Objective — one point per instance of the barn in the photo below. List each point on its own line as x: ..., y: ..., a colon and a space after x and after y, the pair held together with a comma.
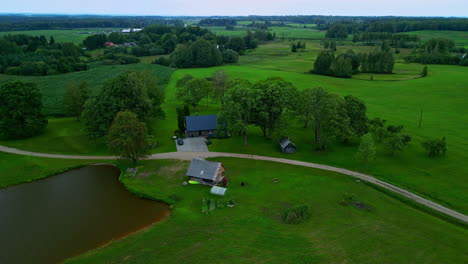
x: 200, y: 126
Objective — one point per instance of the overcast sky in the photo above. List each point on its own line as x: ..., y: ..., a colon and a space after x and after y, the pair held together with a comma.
x: 241, y: 7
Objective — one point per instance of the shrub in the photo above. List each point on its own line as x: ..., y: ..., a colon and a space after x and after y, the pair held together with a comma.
x: 435, y: 147
x: 296, y: 214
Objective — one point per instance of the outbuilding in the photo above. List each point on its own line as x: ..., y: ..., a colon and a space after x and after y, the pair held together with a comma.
x: 216, y: 190
x: 200, y: 126
x: 206, y: 172
x: 287, y: 146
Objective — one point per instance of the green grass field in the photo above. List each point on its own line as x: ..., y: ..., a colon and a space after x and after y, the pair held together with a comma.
x: 442, y: 96
x: 291, y: 32
x: 63, y: 35
x: 252, y: 232
x: 460, y: 37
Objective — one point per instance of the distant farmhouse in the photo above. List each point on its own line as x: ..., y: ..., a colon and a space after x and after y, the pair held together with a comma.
x: 130, y: 30
x: 200, y: 126
x: 206, y: 172
x: 287, y: 146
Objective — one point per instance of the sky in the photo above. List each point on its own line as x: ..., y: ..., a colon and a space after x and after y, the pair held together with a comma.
x: 241, y: 7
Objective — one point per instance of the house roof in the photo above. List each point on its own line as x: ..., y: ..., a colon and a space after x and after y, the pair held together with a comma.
x: 203, y: 122
x: 203, y: 169
x: 285, y: 142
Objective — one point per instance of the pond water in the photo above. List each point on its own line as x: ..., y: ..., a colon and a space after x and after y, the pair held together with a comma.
x: 49, y: 220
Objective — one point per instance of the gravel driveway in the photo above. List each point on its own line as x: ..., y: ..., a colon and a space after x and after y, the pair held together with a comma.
x: 196, y: 144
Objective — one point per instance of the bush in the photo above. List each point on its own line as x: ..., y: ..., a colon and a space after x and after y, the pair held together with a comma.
x: 296, y: 214
x: 230, y: 56
x: 435, y: 147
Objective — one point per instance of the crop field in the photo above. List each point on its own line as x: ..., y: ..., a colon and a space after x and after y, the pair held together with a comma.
x: 53, y: 86
x: 63, y: 35
x: 253, y: 231
x: 460, y: 37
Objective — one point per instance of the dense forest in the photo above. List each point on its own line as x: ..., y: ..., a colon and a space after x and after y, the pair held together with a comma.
x: 30, y: 55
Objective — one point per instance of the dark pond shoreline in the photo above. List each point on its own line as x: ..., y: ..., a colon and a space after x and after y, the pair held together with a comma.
x: 68, y: 214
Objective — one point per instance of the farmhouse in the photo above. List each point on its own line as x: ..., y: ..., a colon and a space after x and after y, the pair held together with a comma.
x: 206, y: 172
x: 198, y: 126
x: 287, y: 146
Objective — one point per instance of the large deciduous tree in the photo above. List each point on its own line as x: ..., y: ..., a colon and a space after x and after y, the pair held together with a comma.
x: 366, y: 151
x: 21, y: 110
x: 126, y: 92
x: 239, y: 104
x: 323, y: 105
x: 193, y: 91
x: 323, y: 62
x: 128, y: 137
x: 75, y: 98
x: 274, y: 96
x: 219, y: 79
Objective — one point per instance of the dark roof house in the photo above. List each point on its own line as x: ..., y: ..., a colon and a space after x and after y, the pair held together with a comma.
x: 206, y: 172
x: 200, y: 125
x: 287, y: 146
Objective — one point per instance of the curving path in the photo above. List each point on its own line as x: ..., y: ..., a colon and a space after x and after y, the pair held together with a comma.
x: 191, y: 155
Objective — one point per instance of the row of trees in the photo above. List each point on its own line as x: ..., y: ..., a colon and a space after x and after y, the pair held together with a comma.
x: 394, y: 40
x: 348, y: 63
x: 35, y: 55
x: 437, y: 51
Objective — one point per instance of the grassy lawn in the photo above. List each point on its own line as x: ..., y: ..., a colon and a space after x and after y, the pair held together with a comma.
x: 63, y: 35
x: 252, y: 232
x: 15, y: 169
x: 442, y: 95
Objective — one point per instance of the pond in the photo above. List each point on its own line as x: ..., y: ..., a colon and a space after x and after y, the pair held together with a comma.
x: 50, y: 220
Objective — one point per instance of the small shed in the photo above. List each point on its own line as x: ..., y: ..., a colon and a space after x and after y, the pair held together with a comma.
x: 201, y: 126
x: 206, y: 172
x: 287, y: 146
x: 218, y: 190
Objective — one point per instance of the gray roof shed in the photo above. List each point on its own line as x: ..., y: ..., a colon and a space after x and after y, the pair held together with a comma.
x: 285, y: 142
x: 199, y: 123
x: 204, y: 169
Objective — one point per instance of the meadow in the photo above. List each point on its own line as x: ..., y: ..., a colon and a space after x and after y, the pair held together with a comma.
x: 253, y: 230
x: 440, y: 95
x: 63, y: 35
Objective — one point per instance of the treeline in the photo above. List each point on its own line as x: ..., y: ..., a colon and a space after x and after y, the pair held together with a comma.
x: 395, y: 40
x: 349, y: 63
x: 219, y: 22
x: 42, y: 22
x: 395, y: 25
x: 438, y: 51
x: 35, y: 55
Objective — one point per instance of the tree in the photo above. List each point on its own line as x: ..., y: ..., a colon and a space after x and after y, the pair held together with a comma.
x: 435, y: 147
x: 341, y: 67
x: 21, y: 110
x: 303, y: 107
x: 366, y: 151
x: 274, y: 96
x: 75, y: 98
x: 239, y: 103
x: 219, y: 80
x: 180, y: 118
x: 323, y: 105
x: 323, y: 62
x: 357, y: 111
x: 230, y: 56
x: 126, y: 92
x: 52, y: 41
x: 155, y: 92
x: 397, y: 142
x: 424, y: 72
x: 293, y: 48
x: 128, y: 137
x: 237, y: 44
x: 193, y: 91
